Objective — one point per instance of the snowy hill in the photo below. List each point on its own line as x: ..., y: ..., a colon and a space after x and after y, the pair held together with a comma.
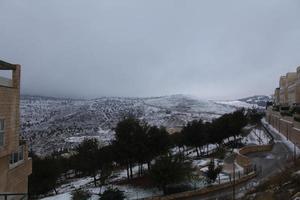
x: 258, y: 101
x: 53, y: 123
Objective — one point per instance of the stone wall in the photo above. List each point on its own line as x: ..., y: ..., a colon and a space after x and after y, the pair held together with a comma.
x: 286, y: 125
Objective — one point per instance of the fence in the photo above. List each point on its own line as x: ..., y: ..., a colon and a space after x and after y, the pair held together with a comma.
x: 14, y: 196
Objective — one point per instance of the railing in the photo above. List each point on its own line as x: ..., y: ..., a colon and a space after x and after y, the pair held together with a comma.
x: 14, y: 196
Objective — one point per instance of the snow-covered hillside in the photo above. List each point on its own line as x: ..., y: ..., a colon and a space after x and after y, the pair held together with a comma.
x: 257, y: 101
x: 53, y: 124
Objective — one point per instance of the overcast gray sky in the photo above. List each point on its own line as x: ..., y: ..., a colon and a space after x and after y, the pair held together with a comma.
x: 91, y: 48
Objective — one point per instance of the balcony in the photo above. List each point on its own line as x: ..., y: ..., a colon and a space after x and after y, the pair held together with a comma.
x: 9, y: 74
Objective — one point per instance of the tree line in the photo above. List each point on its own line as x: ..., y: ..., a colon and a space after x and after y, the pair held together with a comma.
x: 137, y: 143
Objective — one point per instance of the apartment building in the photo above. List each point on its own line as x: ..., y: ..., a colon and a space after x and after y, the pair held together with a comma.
x: 15, y: 166
x: 284, y: 115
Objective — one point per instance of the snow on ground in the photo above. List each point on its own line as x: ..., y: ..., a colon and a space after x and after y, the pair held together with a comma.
x: 256, y: 137
x: 122, y: 174
x: 106, y: 135
x: 130, y: 193
x: 137, y: 193
x: 79, y: 139
x: 75, y: 184
x: 64, y: 196
x: 201, y: 163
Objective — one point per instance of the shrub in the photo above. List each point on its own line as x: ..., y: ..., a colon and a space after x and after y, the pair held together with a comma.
x: 112, y: 194
x: 80, y: 194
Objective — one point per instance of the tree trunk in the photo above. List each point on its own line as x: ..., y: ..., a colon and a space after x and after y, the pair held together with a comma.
x: 127, y: 171
x: 95, y: 180
x: 207, y: 151
x: 100, y: 190
x: 142, y: 170
x: 235, y: 140
x: 130, y: 166
x: 164, y: 188
x: 197, y: 152
x: 55, y: 190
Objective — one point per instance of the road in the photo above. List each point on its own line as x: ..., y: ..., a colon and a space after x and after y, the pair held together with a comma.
x: 269, y: 163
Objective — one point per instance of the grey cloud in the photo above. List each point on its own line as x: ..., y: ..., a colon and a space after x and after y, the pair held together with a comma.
x: 212, y: 49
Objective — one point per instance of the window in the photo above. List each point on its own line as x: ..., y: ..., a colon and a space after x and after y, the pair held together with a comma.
x: 1, y: 132
x: 17, y: 156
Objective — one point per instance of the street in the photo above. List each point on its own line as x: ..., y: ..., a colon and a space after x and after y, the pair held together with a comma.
x: 268, y: 163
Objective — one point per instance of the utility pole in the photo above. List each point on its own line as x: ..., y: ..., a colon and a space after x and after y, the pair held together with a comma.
x: 233, y: 186
x: 295, y: 153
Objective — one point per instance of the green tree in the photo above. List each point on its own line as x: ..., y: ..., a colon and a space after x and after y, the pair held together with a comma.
x: 254, y: 117
x: 177, y: 139
x: 45, y: 174
x: 170, y: 169
x: 158, y: 142
x: 213, y: 172
x: 237, y: 122
x: 194, y: 134
x: 86, y: 158
x: 105, y: 165
x: 130, y: 138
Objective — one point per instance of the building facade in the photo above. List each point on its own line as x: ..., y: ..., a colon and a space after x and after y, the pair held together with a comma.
x: 15, y: 165
x: 284, y: 114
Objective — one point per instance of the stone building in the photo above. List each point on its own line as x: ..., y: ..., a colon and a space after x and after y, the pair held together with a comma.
x: 277, y: 96
x: 284, y: 115
x: 15, y: 166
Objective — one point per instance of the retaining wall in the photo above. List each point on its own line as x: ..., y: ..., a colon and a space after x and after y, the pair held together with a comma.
x: 286, y: 125
x: 204, y: 191
x: 243, y: 160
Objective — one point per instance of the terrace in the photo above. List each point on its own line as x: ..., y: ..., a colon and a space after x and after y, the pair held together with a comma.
x: 6, y: 74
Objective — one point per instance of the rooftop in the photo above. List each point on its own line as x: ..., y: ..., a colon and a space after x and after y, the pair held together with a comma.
x: 6, y: 66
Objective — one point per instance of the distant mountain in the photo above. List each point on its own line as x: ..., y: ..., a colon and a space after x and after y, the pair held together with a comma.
x: 60, y: 123
x: 57, y: 123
